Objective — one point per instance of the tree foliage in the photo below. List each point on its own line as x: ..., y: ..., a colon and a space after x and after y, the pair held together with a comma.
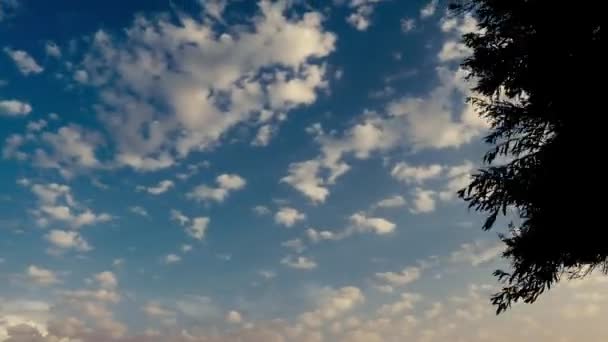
x: 536, y: 65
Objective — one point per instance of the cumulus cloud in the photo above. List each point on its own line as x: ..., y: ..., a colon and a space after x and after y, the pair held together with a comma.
x: 406, y: 302
x: 360, y: 223
x: 226, y: 183
x: 195, y: 227
x: 434, y: 120
x: 391, y: 280
x: 162, y: 187
x: 171, y: 259
x: 360, y: 18
x: 359, y: 141
x: 139, y: 210
x: 106, y: 280
x: 71, y: 149
x: 155, y: 310
x: 288, y: 216
x: 296, y: 244
x: 52, y: 49
x: 25, y: 63
x: 261, y: 210
x: 67, y: 240
x: 41, y: 276
x: 333, y: 303
x: 220, y: 80
x: 415, y: 174
x: 234, y: 317
x: 407, y: 24
x: 429, y: 9
x: 391, y: 202
x: 56, y: 204
x: 299, y: 262
x: 423, y: 201
x: 14, y: 107
x: 477, y: 253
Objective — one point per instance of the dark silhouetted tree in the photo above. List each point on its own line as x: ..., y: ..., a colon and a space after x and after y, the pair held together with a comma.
x: 537, y: 70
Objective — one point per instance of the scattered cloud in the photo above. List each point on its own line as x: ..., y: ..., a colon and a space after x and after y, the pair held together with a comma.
x: 234, y: 317
x: 25, y: 63
x: 261, y: 210
x: 299, y: 262
x: 288, y: 216
x: 226, y: 183
x: 14, y: 108
x: 172, y: 259
x: 63, y: 240
x: 195, y: 227
x: 162, y: 187
x: 477, y: 253
x: 139, y: 210
x: 52, y: 49
x: 407, y: 24
x: 391, y: 202
x: 41, y: 276
x: 429, y: 9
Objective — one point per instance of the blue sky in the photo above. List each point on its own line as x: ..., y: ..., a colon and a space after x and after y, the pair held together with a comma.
x: 244, y: 171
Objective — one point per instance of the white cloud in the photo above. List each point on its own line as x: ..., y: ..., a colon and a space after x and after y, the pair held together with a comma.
x: 11, y: 147
x: 423, y: 202
x: 477, y: 253
x: 195, y: 227
x: 52, y: 49
x: 303, y: 176
x: 296, y: 244
x: 186, y: 248
x: 287, y: 216
x: 14, y: 108
x: 198, y: 227
x: 155, y: 310
x: 453, y: 50
x: 263, y: 136
x: 333, y: 303
x: 234, y: 317
x: 172, y: 258
x: 360, y: 18
x: 66, y: 240
x: 178, y: 216
x: 71, y: 149
x: 299, y: 262
x: 361, y: 223
x: 226, y: 184
x: 41, y: 276
x: 406, y: 302
x: 106, y: 280
x: 415, y: 174
x: 435, y: 121
x: 139, y: 210
x: 25, y: 63
x: 429, y: 9
x: 406, y: 276
x: 360, y: 140
x: 162, y: 187
x: 407, y: 24
x: 222, y: 79
x: 391, y: 202
x: 458, y: 177
x: 81, y: 76
x: 261, y: 210
x: 36, y: 126
x: 266, y: 274
x: 214, y: 8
